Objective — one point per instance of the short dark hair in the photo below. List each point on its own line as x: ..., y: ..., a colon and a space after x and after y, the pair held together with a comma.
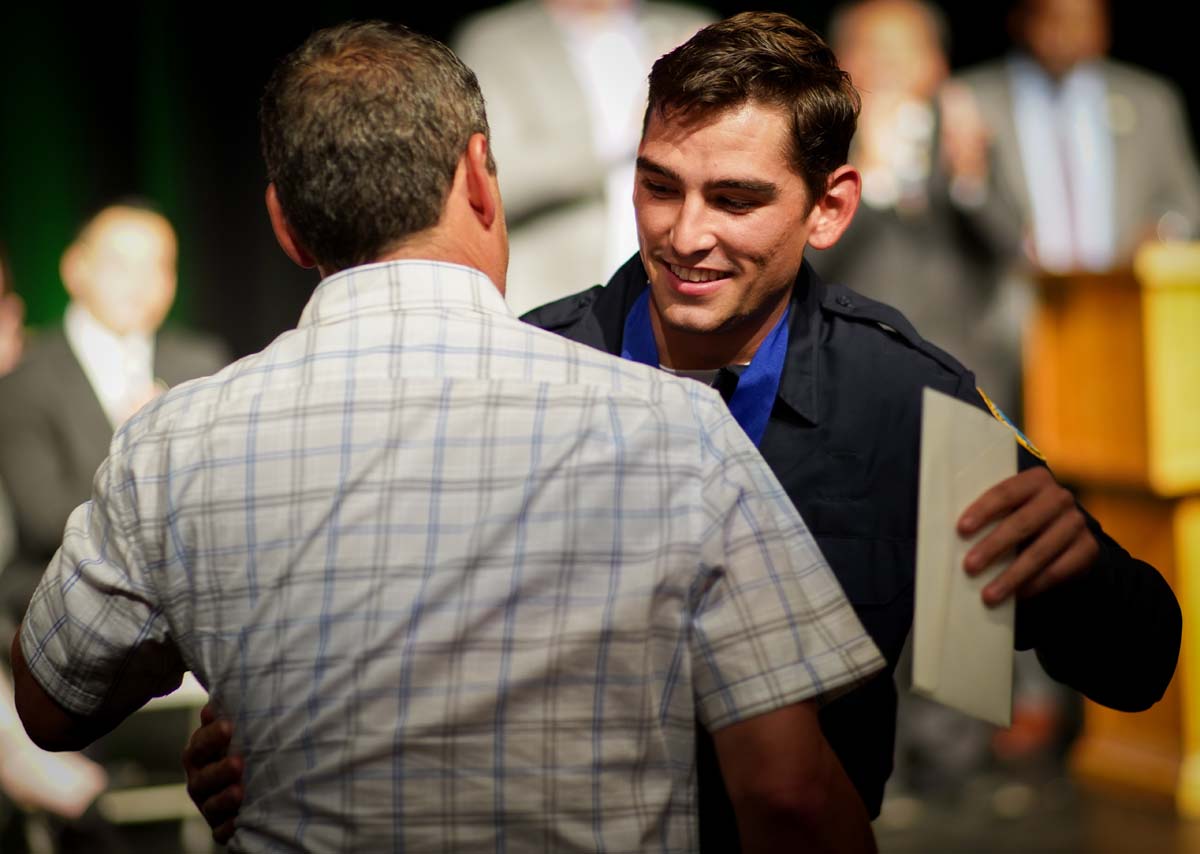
x: 362, y: 129
x: 771, y: 59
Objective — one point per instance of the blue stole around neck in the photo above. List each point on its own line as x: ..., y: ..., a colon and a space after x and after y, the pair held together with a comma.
x: 756, y: 389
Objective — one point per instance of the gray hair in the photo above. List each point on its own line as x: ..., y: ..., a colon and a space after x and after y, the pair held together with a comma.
x: 362, y: 129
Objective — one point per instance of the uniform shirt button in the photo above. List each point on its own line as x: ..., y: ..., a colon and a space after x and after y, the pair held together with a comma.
x: 843, y: 301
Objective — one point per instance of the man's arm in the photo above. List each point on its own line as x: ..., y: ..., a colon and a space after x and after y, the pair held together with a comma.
x: 51, y: 726
x: 788, y: 789
x: 94, y: 646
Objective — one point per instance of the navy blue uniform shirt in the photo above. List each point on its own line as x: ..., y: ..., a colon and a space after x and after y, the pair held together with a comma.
x: 843, y: 438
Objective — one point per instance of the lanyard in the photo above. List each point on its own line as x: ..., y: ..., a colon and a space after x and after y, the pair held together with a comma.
x: 756, y: 389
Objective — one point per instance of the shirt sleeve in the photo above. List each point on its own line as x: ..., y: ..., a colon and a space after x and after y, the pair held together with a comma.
x: 771, y: 626
x: 94, y: 634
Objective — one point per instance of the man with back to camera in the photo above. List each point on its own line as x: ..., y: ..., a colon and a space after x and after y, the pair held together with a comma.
x: 461, y: 583
x: 731, y: 187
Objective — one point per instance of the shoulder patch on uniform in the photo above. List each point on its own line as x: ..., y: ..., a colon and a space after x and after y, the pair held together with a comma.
x: 999, y: 415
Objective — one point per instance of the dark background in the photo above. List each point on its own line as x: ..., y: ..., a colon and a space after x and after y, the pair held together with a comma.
x: 161, y: 102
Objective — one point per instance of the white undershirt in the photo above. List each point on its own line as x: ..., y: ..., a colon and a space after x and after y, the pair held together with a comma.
x: 708, y: 376
x: 120, y: 369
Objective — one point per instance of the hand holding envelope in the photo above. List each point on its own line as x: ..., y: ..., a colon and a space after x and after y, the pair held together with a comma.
x: 974, y: 512
x: 962, y: 649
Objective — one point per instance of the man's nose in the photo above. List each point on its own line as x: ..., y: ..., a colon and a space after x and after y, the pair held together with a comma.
x: 692, y: 231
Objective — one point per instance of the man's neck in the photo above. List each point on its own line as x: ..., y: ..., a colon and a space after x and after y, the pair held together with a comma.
x: 684, y: 350
x: 428, y: 247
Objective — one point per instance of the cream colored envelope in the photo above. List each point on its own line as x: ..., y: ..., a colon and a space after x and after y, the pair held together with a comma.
x: 962, y: 650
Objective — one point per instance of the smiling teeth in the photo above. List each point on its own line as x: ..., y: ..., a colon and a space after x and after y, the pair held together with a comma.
x: 692, y: 274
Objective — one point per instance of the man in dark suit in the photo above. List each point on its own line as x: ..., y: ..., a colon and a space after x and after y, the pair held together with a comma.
x: 1086, y: 157
x: 79, y: 381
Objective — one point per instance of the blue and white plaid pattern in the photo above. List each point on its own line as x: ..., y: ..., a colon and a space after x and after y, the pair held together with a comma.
x: 463, y: 585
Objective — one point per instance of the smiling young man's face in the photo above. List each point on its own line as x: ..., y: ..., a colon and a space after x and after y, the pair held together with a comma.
x: 722, y: 224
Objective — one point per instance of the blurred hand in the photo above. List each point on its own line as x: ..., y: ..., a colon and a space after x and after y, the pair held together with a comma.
x: 1030, y: 508
x: 12, y: 319
x: 214, y: 778
x: 964, y: 135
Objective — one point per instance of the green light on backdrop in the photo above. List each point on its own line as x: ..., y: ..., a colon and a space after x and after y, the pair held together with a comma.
x: 162, y: 142
x: 41, y: 171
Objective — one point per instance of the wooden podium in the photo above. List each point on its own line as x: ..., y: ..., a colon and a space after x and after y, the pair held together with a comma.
x: 1112, y: 397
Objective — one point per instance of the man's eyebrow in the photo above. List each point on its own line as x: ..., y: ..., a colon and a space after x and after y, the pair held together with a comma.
x: 759, y: 188
x: 646, y: 165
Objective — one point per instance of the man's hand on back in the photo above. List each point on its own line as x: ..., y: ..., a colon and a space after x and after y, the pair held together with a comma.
x: 214, y: 778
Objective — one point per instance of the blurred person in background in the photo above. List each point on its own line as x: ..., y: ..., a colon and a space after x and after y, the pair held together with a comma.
x: 565, y: 83
x: 63, y: 784
x: 909, y: 245
x: 80, y: 380
x: 1086, y: 157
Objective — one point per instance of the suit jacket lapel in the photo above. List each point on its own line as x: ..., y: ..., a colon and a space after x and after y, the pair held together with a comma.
x: 84, y: 424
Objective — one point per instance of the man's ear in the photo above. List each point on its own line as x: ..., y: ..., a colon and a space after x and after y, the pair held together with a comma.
x: 482, y: 189
x: 831, y: 215
x: 287, y: 239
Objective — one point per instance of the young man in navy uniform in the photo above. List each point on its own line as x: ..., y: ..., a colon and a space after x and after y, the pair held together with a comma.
x: 742, y: 165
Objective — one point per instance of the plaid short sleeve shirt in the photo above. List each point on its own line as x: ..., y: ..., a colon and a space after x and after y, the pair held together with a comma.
x: 462, y: 584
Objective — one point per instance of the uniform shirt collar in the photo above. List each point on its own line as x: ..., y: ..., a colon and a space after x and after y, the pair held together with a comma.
x: 404, y: 285
x: 799, y: 383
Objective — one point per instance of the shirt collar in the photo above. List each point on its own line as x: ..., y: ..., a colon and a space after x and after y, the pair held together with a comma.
x: 402, y: 286
x: 799, y: 384
x: 1026, y: 71
x: 116, y: 366
x: 85, y: 331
